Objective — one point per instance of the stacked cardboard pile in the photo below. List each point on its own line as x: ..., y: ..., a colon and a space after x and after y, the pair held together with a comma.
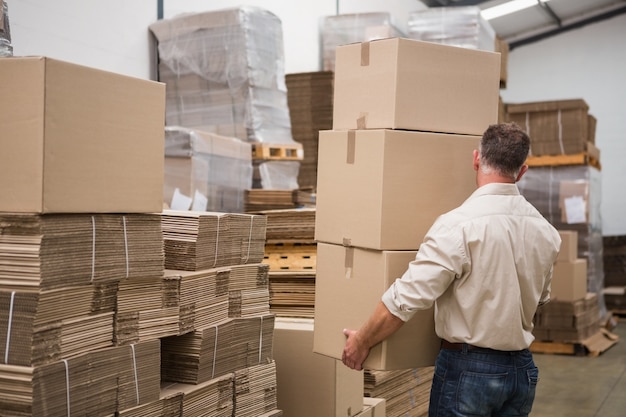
x: 376, y: 195
x: 310, y: 98
x: 614, y: 259
x: 224, y: 72
x: 222, y: 289
x: 561, y: 127
x: 204, y: 240
x: 568, y: 321
x: 258, y: 200
x: 63, y: 248
x: 205, y: 171
x: 406, y: 391
x: 569, y: 197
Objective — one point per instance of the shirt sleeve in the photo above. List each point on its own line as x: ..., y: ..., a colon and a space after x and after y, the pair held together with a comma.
x: 440, y: 259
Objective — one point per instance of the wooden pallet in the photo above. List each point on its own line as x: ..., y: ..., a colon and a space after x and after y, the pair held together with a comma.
x: 291, y: 256
x: 267, y: 151
x: 559, y: 348
x: 582, y: 158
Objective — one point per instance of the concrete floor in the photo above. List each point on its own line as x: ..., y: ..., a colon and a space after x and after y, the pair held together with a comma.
x: 583, y: 386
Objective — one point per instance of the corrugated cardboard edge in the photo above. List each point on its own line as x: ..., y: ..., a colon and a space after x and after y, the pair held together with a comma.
x: 600, y: 342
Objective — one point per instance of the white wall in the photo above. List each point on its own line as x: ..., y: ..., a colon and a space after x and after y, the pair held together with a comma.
x: 588, y: 63
x: 111, y: 35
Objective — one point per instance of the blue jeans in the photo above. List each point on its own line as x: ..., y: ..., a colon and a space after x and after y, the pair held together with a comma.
x: 477, y: 383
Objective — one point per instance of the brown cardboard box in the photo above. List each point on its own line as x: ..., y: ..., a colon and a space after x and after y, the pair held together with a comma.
x: 76, y: 139
x: 569, y: 246
x: 408, y: 84
x: 309, y: 384
x: 382, y: 189
x: 349, y: 284
x: 569, y: 280
x: 378, y: 406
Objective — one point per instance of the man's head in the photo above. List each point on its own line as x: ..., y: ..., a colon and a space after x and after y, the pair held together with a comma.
x: 503, y: 151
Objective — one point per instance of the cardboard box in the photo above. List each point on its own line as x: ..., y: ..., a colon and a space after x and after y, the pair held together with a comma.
x: 75, y: 139
x: 378, y: 189
x: 569, y: 280
x: 309, y: 384
x: 378, y: 406
x: 348, y: 285
x: 205, y: 171
x: 569, y: 246
x: 415, y: 85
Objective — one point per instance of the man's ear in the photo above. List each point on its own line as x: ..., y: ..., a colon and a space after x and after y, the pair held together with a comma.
x: 476, y: 160
x: 522, y: 171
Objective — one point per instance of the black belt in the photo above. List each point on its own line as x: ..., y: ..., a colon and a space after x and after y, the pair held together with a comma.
x: 471, y: 348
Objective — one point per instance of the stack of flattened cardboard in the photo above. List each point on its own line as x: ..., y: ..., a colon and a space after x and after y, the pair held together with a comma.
x: 202, y: 355
x: 567, y: 321
x: 166, y: 406
x: 97, y: 382
x: 201, y: 297
x: 142, y: 313
x: 248, y: 291
x: 224, y: 71
x: 255, y: 390
x: 290, y: 224
x: 47, y: 325
x: 310, y: 98
x: 267, y: 199
x: 213, y: 398
x: 555, y: 127
x: 406, y: 391
x: 204, y: 240
x: 292, y: 293
x: 59, y: 250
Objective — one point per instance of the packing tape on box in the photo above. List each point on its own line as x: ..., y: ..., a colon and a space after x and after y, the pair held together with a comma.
x: 361, y: 121
x: 349, y: 262
x: 351, y: 145
x: 365, y: 54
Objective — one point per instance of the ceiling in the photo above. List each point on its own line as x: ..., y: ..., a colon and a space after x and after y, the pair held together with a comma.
x: 543, y: 20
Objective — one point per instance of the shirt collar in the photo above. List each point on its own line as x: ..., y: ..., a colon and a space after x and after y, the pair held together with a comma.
x: 495, y: 188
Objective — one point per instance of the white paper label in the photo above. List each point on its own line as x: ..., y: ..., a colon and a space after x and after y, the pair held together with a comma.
x: 575, y: 209
x: 180, y: 201
x: 199, y: 202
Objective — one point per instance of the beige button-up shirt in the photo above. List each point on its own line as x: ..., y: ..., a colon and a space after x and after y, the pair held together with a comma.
x: 486, y: 265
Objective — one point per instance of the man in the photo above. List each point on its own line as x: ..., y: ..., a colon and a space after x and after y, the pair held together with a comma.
x: 486, y: 266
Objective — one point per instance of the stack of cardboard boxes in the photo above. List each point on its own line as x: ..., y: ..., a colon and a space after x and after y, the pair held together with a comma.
x: 81, y: 177
x: 407, y: 116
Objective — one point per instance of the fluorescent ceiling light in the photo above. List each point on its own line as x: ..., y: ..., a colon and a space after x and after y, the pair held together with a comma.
x: 508, y: 8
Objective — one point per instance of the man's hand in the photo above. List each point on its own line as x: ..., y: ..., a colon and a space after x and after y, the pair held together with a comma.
x: 377, y: 328
x: 354, y: 352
